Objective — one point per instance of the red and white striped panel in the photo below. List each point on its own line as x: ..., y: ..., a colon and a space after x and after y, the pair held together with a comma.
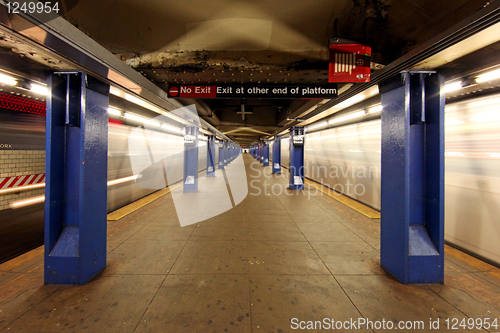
x: 9, y: 182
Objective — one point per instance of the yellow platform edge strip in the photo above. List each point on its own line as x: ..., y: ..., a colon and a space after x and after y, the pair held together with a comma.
x: 351, y: 203
x: 132, y: 207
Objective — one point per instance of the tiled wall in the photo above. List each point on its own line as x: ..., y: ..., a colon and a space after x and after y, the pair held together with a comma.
x: 20, y: 163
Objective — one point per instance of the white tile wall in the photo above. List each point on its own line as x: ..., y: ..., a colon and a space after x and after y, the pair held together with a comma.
x: 20, y: 163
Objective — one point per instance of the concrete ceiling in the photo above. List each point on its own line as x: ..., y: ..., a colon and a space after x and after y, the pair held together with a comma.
x: 260, y: 41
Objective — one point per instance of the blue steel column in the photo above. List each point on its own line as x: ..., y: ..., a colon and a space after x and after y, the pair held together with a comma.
x: 211, y: 156
x: 296, y: 164
x: 190, y: 159
x: 226, y: 153
x: 277, y: 155
x: 412, y: 201
x: 265, y: 160
x: 76, y: 170
x: 261, y: 153
x: 221, y: 154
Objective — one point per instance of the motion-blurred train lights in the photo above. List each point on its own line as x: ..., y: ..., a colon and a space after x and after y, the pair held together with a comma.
x: 114, y: 112
x: 350, y: 101
x: 131, y: 116
x: 489, y: 76
x: 317, y: 125
x: 171, y: 128
x: 6, y: 79
x: 375, y: 109
x: 39, y: 89
x: 452, y: 87
x: 347, y: 117
x: 28, y: 202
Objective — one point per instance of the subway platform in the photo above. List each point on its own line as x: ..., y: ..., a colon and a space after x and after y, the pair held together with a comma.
x: 277, y: 262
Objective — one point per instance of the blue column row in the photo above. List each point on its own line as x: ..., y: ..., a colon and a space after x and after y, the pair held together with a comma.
x: 261, y: 153
x: 228, y: 151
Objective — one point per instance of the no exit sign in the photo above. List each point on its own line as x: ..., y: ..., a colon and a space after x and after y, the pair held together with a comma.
x: 192, y: 92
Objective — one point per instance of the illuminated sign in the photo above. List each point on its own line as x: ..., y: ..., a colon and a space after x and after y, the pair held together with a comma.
x: 253, y: 91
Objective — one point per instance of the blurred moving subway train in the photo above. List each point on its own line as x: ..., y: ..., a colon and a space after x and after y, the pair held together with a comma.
x: 21, y: 213
x: 351, y: 155
x: 472, y: 178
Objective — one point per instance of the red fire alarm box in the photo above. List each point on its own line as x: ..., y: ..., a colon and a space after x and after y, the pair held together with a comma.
x: 349, y: 62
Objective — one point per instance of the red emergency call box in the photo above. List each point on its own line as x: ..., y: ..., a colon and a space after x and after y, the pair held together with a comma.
x: 349, y: 62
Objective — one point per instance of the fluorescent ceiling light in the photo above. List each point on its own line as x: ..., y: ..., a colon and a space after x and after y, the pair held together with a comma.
x: 171, y: 128
x: 347, y: 117
x: 133, y: 99
x: 114, y: 91
x: 493, y: 75
x: 114, y: 111
x: 141, y: 119
x: 317, y: 125
x: 39, y: 89
x: 133, y: 117
x: 452, y: 87
x: 6, y: 79
x: 350, y: 101
x: 152, y: 122
x: 375, y: 109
